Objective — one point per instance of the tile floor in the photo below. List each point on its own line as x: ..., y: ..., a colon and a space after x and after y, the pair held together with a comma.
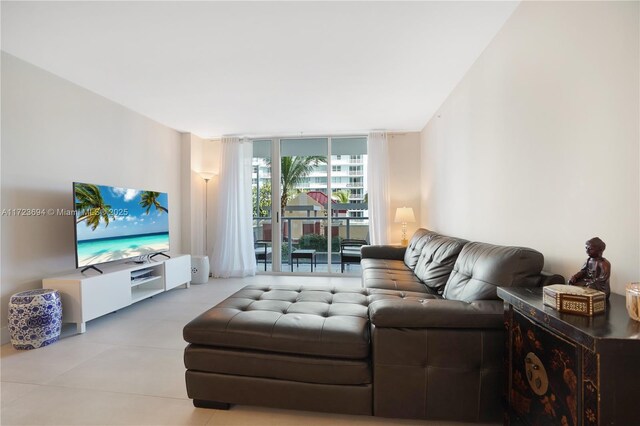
x: 127, y: 369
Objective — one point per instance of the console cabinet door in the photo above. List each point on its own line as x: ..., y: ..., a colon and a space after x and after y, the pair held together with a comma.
x: 544, y: 375
x: 177, y: 271
x: 104, y: 294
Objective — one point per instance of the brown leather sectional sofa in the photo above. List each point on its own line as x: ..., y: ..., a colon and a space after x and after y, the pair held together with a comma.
x: 422, y: 338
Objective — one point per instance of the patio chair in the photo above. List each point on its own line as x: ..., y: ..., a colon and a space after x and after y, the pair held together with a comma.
x: 350, y: 252
x: 262, y: 249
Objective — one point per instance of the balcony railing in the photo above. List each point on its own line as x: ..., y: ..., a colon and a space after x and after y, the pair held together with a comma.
x: 295, y: 228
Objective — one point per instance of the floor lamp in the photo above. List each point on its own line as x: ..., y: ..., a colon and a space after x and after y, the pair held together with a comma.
x: 207, y: 177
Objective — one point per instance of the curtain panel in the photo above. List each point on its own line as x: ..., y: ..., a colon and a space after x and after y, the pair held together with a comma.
x: 378, y: 187
x: 233, y: 254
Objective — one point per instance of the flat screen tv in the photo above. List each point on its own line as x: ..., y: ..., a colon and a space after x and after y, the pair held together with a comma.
x: 113, y: 223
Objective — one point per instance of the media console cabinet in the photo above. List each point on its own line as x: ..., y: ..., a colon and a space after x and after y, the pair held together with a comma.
x: 89, y: 295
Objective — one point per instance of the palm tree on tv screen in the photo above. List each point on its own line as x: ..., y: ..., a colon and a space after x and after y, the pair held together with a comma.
x: 90, y: 206
x: 149, y: 199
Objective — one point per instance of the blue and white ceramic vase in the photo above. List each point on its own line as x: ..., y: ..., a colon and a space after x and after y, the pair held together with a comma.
x: 35, y: 318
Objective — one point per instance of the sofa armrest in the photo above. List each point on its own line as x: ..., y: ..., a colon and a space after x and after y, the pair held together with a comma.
x: 438, y: 313
x: 383, y: 252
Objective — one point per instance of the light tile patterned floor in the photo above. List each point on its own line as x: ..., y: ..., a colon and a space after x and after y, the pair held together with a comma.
x: 127, y: 369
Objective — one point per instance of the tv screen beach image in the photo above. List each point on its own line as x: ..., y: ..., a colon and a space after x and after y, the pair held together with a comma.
x: 119, y: 223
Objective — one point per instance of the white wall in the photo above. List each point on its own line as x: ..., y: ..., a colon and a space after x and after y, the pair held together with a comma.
x: 211, y: 150
x: 199, y: 155
x: 54, y: 133
x: 404, y: 180
x: 539, y: 144
x: 193, y: 194
x: 187, y: 181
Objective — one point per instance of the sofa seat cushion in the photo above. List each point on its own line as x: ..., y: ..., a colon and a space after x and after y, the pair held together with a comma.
x: 397, y: 285
x: 376, y: 294
x: 316, y: 321
x: 298, y: 368
x: 389, y: 279
x: 437, y: 258
x: 396, y: 265
x: 481, y: 268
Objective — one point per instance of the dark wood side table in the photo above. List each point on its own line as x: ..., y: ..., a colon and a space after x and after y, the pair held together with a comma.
x: 570, y: 369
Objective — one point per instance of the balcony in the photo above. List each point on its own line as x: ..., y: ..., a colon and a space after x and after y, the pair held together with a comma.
x: 311, y: 233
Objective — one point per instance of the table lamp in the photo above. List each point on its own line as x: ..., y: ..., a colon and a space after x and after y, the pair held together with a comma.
x: 404, y: 215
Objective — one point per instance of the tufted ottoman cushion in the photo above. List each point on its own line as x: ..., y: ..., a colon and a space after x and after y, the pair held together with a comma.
x: 319, y: 321
x: 286, y: 347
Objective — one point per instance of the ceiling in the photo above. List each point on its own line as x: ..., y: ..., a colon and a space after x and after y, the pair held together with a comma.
x: 260, y: 68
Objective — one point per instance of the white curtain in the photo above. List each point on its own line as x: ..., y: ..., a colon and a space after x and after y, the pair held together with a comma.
x: 233, y: 254
x: 377, y: 183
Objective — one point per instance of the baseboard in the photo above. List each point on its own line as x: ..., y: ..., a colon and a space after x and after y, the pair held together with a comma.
x: 4, y: 335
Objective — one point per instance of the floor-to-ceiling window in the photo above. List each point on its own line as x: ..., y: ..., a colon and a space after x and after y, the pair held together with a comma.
x: 317, y: 199
x: 349, y: 191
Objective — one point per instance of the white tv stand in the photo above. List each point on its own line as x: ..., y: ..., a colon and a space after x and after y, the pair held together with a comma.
x: 89, y: 295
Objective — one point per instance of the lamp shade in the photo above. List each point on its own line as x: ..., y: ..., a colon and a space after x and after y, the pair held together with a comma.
x: 404, y: 214
x: 207, y: 175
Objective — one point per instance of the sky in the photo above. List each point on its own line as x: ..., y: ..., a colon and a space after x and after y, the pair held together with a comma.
x: 130, y: 217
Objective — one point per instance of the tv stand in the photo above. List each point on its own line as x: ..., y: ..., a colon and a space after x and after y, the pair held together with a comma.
x: 160, y: 254
x: 90, y: 267
x: 87, y: 297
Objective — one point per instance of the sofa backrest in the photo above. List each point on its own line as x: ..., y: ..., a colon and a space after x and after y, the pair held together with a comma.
x: 481, y: 268
x: 437, y: 258
x: 418, y: 240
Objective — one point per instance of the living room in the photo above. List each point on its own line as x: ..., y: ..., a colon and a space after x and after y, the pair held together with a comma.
x: 533, y: 141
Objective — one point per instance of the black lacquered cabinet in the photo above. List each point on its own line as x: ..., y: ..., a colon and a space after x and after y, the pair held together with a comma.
x: 566, y: 369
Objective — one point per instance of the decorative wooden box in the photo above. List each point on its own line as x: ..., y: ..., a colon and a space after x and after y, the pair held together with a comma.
x: 572, y: 299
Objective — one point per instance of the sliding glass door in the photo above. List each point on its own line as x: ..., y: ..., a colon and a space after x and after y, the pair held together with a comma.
x: 349, y: 206
x: 309, y: 202
x: 303, y: 204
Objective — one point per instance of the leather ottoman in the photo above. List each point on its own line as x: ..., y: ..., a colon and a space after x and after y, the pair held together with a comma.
x: 287, y: 347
